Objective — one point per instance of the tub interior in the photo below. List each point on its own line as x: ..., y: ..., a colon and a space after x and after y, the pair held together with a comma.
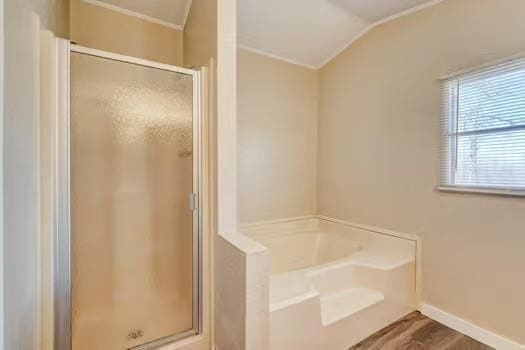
x: 315, y: 243
x: 296, y: 251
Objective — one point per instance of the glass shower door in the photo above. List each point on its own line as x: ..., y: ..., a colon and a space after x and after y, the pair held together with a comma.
x: 132, y: 173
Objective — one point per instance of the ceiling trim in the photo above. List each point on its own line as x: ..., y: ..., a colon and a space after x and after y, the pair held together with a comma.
x: 187, y: 13
x: 135, y: 14
x: 376, y: 24
x: 271, y: 55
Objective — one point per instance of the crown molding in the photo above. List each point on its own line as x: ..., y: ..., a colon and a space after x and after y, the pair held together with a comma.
x: 136, y: 14
x: 277, y: 57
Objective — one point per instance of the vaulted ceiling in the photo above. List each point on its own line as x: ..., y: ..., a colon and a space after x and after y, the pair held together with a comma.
x: 306, y: 32
x: 311, y: 32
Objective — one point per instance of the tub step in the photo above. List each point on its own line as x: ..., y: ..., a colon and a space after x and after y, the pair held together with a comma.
x: 337, y: 306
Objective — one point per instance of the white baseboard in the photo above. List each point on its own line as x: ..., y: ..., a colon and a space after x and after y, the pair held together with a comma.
x: 482, y: 335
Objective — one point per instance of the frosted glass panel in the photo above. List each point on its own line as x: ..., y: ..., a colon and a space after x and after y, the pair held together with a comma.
x: 131, y: 177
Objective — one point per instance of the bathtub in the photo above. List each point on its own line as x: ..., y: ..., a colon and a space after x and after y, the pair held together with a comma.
x: 331, y: 284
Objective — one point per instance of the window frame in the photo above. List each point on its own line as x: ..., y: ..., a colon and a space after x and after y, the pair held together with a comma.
x: 449, y: 131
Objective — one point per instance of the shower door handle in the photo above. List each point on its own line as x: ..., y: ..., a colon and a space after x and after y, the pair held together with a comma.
x: 194, y: 201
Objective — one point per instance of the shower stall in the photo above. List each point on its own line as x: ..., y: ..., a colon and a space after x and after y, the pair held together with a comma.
x: 128, y: 193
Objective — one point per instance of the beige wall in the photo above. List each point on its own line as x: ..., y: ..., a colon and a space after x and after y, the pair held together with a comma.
x: 200, y: 33
x: 103, y: 29
x: 277, y: 128
x: 379, y: 146
x: 18, y: 166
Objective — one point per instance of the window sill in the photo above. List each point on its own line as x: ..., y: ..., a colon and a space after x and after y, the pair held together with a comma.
x: 489, y: 191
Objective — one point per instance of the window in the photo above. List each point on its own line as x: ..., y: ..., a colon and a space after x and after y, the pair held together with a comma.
x: 483, y: 130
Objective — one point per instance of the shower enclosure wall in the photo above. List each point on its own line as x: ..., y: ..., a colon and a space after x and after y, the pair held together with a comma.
x: 128, y: 242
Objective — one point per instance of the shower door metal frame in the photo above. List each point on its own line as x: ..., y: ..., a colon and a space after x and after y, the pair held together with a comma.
x: 63, y: 258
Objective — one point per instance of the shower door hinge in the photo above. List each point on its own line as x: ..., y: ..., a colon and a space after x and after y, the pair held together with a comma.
x: 194, y: 201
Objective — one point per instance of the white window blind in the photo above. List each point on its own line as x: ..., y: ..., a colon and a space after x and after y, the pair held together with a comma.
x: 483, y: 129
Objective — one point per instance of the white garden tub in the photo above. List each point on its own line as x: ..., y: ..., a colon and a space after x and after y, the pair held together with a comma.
x: 332, y: 284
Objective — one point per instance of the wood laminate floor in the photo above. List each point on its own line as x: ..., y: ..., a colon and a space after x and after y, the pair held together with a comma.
x: 417, y: 332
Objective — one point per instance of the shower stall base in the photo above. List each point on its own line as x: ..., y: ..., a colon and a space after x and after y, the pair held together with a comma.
x: 120, y: 330
x: 333, y: 285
